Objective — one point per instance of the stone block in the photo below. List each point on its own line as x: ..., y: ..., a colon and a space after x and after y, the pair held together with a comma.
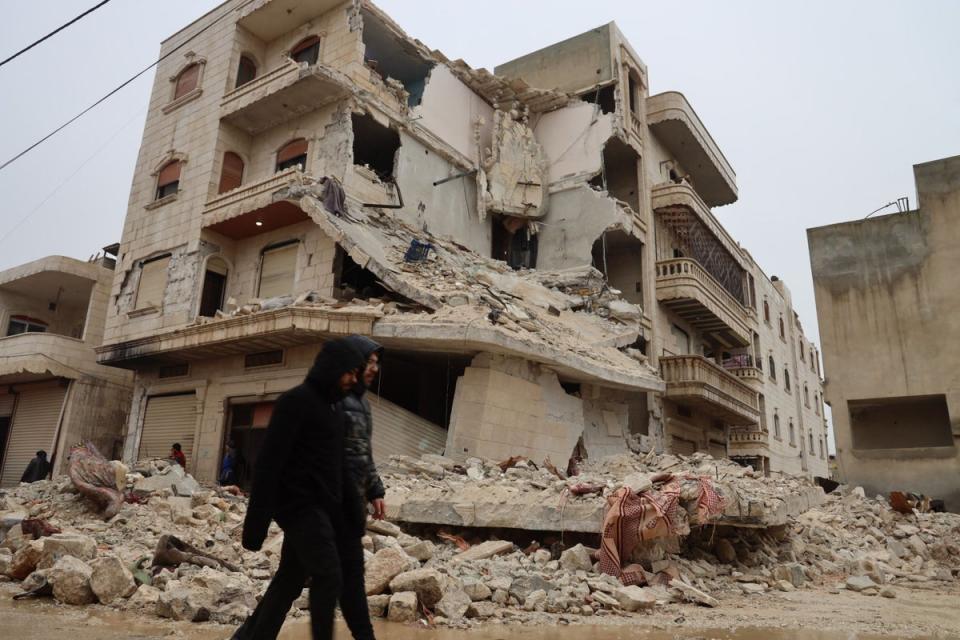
x: 426, y: 583
x: 634, y: 598
x: 403, y: 607
x: 70, y: 578
x: 25, y: 560
x: 110, y: 579
x: 377, y: 605
x: 484, y: 550
x: 454, y: 604
x: 385, y: 565
x: 860, y: 583
x: 576, y: 558
x: 66, y: 544
x: 477, y: 591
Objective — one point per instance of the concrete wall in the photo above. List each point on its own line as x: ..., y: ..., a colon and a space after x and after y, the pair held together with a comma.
x: 889, y: 313
x: 574, y: 64
x: 577, y: 217
x: 572, y: 139
x: 96, y: 411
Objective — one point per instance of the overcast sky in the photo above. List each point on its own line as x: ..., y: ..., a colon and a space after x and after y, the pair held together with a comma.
x: 821, y: 107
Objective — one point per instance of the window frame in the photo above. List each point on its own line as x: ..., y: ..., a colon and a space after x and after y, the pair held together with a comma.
x: 292, y: 161
x: 30, y: 325
x: 160, y: 192
x: 245, y: 58
x: 305, y: 44
x: 137, y: 306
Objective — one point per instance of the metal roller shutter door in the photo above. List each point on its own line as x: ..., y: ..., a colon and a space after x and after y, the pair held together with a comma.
x: 718, y: 450
x: 34, y: 427
x: 682, y: 446
x: 397, y: 431
x: 6, y: 404
x: 168, y: 419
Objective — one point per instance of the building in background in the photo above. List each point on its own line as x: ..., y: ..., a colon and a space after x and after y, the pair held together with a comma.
x: 53, y: 394
x: 534, y: 247
x: 888, y: 306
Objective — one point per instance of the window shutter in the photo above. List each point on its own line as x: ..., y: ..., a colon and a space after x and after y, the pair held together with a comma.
x: 308, y: 50
x: 153, y: 282
x: 169, y: 174
x: 231, y: 176
x: 187, y: 81
x: 291, y: 150
x: 276, y: 271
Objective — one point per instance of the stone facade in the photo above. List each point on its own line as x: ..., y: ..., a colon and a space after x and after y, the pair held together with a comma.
x: 887, y: 306
x: 595, y: 173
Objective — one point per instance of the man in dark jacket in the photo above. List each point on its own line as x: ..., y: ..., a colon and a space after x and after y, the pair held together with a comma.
x: 367, y: 485
x: 37, y: 469
x: 301, y: 482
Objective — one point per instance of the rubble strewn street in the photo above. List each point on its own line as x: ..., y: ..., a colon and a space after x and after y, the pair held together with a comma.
x: 482, y: 571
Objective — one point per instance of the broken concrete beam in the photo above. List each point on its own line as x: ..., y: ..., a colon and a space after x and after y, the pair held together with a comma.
x: 694, y: 594
x: 484, y: 550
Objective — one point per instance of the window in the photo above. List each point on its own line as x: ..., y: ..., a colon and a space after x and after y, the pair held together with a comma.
x: 214, y: 287
x: 277, y: 266
x: 803, y: 358
x: 374, y: 145
x: 634, y: 95
x: 231, y: 174
x: 816, y: 402
x: 821, y: 448
x: 681, y: 339
x: 793, y: 437
x: 153, y: 282
x: 810, y: 434
x: 292, y: 154
x: 752, y: 288
x: 900, y: 423
x: 806, y: 395
x: 776, y: 424
x: 246, y: 71
x: 766, y: 312
x: 23, y: 324
x: 786, y: 379
x: 174, y: 370
x: 762, y: 403
x: 757, y: 358
x: 773, y: 369
x: 168, y: 180
x: 308, y: 50
x: 813, y: 360
x: 263, y: 359
x: 783, y: 333
x: 187, y: 81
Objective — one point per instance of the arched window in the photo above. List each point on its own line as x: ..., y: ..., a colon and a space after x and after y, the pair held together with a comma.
x: 187, y: 81
x: 231, y: 174
x: 783, y: 333
x: 246, y: 71
x: 813, y: 360
x: 810, y: 433
x: 793, y: 436
x: 307, y: 50
x: 786, y: 379
x: 773, y: 368
x: 806, y: 394
x: 292, y: 154
x: 766, y: 312
x: 803, y: 357
x: 776, y: 425
x: 168, y: 180
x: 214, y: 287
x: 816, y: 402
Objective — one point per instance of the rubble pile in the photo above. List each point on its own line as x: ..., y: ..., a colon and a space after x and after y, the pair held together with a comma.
x: 173, y: 548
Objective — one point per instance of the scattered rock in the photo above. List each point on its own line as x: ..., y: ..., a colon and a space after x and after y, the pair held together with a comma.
x: 183, y: 603
x: 888, y: 592
x: 422, y: 550
x: 751, y: 588
x: 634, y: 598
x: 535, y: 600
x: 524, y: 586
x: 385, y: 565
x: 377, y: 605
x: 111, y: 580
x: 859, y: 583
x: 426, y: 583
x: 403, y: 607
x: 484, y: 550
x: 454, y: 604
x: 576, y: 559
x: 724, y: 551
x: 693, y: 593
x: 174, y: 478
x: 477, y: 591
x: 384, y: 528
x: 70, y: 578
x: 25, y: 560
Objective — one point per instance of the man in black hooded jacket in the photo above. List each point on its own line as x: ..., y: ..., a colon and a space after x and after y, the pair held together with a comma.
x: 301, y: 482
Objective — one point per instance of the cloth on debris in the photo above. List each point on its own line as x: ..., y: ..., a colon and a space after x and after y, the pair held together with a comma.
x: 171, y: 551
x: 359, y: 430
x: 709, y: 502
x: 38, y: 469
x: 334, y: 198
x: 38, y: 528
x: 301, y: 463
x: 97, y: 478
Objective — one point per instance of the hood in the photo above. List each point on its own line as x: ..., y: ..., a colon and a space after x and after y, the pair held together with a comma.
x: 335, y: 359
x: 367, y: 347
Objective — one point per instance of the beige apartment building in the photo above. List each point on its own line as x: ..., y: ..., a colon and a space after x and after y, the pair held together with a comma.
x: 53, y: 394
x: 535, y: 247
x: 888, y: 307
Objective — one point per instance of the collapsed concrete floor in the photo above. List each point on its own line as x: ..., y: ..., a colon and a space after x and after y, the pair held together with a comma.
x: 452, y: 574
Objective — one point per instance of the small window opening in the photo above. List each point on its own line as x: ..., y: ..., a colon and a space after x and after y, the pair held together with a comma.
x: 246, y: 71
x: 902, y: 422
x: 374, y: 145
x: 307, y: 50
x: 391, y: 57
x: 214, y: 287
x: 786, y: 379
x: 684, y: 411
x: 793, y: 435
x: 803, y: 357
x: 633, y: 94
x: 773, y: 368
x: 776, y: 424
x: 513, y: 243
x: 168, y: 181
x: 783, y: 332
x: 766, y: 312
x: 605, y: 97
x: 810, y: 433
x: 571, y: 388
x: 24, y: 324
x: 231, y: 174
x: 187, y: 81
x: 292, y: 154
x: 263, y: 359
x: 178, y: 370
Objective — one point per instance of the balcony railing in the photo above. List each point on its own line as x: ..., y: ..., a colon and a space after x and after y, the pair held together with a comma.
x: 698, y: 381
x: 290, y: 90
x: 249, y: 197
x: 748, y: 443
x: 685, y: 287
x: 742, y: 366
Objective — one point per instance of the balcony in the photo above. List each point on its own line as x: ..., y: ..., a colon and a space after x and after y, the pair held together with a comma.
x: 37, y: 356
x: 237, y: 212
x: 290, y: 90
x: 748, y: 443
x: 270, y: 19
x: 684, y: 287
x: 742, y: 366
x: 696, y: 381
x: 675, y: 123
x: 679, y: 203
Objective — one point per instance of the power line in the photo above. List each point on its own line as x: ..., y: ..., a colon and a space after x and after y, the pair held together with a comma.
x: 54, y: 32
x: 122, y: 85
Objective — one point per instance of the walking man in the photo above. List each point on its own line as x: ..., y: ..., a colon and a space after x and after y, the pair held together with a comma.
x: 367, y: 486
x: 302, y: 484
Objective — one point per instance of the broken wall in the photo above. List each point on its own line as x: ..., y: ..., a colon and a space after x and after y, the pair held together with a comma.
x: 452, y: 112
x: 573, y: 65
x: 515, y: 169
x: 96, y: 411
x: 577, y: 217
x: 572, y: 139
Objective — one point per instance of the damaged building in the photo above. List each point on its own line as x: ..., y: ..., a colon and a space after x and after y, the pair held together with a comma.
x: 53, y: 393
x: 535, y: 248
x: 887, y: 312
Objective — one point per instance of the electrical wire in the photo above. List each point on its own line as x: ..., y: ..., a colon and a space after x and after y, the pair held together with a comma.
x: 54, y: 32
x: 121, y: 86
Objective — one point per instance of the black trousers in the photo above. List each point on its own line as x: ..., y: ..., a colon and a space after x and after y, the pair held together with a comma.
x: 313, y: 548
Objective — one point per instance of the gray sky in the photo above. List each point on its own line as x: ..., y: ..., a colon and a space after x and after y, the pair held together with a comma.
x: 821, y: 107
